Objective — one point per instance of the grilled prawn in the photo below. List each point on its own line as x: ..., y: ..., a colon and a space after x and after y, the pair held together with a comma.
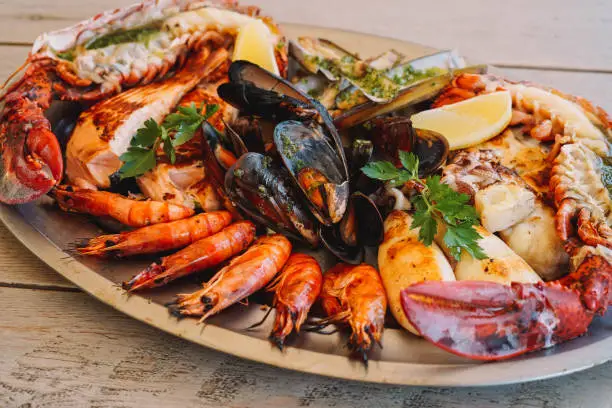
x: 200, y: 255
x: 355, y: 295
x: 244, y: 275
x: 295, y: 290
x: 158, y: 237
x: 134, y: 213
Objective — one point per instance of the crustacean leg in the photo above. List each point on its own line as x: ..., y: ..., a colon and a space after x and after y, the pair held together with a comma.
x: 491, y: 321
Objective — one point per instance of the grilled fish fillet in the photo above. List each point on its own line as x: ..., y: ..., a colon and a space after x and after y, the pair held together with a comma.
x: 185, y: 182
x: 103, y: 132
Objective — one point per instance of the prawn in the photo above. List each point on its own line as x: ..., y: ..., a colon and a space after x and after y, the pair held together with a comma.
x: 134, y: 213
x: 202, y: 254
x: 242, y: 277
x: 355, y: 295
x: 157, y: 237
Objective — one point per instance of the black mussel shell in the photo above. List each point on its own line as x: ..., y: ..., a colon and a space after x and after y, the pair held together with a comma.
x: 246, y: 135
x: 361, y: 226
x: 245, y: 71
x: 432, y: 150
x: 262, y: 188
x: 268, y: 104
x: 316, y: 166
x: 361, y: 153
x: 224, y: 154
x: 392, y: 134
x: 395, y: 133
x: 330, y: 238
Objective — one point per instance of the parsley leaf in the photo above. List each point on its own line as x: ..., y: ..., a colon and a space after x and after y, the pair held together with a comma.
x: 436, y: 203
x: 177, y: 128
x: 147, y: 135
x: 137, y: 163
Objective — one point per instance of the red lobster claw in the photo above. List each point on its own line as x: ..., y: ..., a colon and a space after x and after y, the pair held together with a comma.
x: 30, y: 155
x: 491, y: 321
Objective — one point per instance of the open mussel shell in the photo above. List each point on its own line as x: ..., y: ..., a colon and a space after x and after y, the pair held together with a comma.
x: 415, y: 93
x: 361, y: 226
x: 317, y: 167
x: 432, y: 150
x: 245, y: 71
x: 395, y: 133
x: 263, y: 190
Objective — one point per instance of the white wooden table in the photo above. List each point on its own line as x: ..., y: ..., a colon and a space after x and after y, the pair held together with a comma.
x: 61, y: 348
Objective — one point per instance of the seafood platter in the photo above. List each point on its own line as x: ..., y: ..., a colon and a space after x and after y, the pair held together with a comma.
x: 324, y: 201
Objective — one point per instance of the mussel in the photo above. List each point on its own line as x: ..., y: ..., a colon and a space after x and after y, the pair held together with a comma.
x: 304, y: 189
x: 395, y: 133
x: 263, y: 189
x: 316, y: 166
x: 304, y: 136
x: 361, y: 226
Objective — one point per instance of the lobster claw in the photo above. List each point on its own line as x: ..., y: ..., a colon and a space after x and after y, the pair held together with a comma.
x: 30, y: 155
x: 491, y: 321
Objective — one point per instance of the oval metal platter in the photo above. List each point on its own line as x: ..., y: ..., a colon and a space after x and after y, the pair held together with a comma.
x: 405, y: 359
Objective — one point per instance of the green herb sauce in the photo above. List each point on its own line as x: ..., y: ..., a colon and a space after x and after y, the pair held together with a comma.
x: 140, y: 35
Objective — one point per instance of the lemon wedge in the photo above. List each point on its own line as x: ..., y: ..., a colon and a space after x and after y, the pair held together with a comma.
x: 255, y: 43
x: 469, y: 122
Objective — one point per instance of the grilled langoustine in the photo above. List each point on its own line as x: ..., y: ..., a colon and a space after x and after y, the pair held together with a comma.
x: 295, y: 289
x: 131, y: 212
x: 354, y: 295
x: 202, y: 254
x: 96, y: 59
x: 242, y: 277
x: 157, y: 237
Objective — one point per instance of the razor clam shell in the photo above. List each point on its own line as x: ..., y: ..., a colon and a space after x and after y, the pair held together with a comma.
x: 415, y: 93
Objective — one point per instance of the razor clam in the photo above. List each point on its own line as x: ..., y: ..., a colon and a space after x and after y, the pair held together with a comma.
x: 320, y: 55
x: 411, y: 95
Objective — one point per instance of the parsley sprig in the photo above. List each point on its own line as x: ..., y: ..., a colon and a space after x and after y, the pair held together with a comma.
x: 435, y: 203
x: 177, y: 128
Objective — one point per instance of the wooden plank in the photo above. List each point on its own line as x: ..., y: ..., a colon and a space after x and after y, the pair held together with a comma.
x: 20, y: 267
x: 69, y: 350
x: 521, y: 32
